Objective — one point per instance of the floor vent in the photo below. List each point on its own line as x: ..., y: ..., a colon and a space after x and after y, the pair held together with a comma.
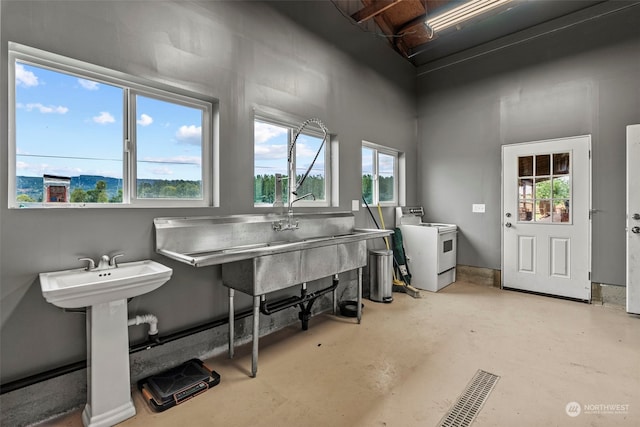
x: 465, y: 410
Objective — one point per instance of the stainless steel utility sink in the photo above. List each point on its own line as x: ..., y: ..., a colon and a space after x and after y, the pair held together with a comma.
x: 203, y: 241
x: 257, y: 257
x: 294, y: 263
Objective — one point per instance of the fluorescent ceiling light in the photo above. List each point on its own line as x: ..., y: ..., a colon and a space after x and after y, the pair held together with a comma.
x: 462, y: 13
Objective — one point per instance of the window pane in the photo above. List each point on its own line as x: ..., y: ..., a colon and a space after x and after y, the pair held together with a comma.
x: 561, y: 163
x: 543, y: 188
x: 525, y: 166
x: 270, y: 158
x: 543, y: 210
x: 306, y: 148
x: 71, y: 128
x: 525, y: 189
x: 386, y: 177
x: 525, y: 211
x: 543, y: 166
x: 561, y: 187
x: 561, y: 211
x: 367, y: 173
x: 169, y: 150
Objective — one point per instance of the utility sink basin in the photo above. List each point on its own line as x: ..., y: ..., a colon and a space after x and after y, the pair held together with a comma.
x: 81, y: 288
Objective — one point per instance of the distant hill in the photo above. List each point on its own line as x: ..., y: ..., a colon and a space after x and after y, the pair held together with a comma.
x: 149, y: 188
x: 34, y: 187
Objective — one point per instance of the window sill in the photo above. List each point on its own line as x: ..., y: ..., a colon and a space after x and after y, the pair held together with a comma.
x: 46, y: 206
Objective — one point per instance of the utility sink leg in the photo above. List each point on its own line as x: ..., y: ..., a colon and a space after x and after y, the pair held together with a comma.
x: 256, y: 335
x: 359, y: 300
x: 231, y: 323
x: 335, y: 295
x: 335, y: 302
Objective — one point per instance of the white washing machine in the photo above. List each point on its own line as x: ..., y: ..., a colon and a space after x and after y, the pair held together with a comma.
x: 430, y: 249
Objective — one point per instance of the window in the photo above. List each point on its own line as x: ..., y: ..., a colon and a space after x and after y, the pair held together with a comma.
x: 271, y: 141
x: 544, y: 188
x: 87, y: 136
x: 381, y: 177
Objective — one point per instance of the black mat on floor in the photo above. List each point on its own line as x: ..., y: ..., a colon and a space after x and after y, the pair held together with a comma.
x: 170, y: 388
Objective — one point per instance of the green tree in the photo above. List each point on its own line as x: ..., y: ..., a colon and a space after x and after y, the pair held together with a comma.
x: 24, y: 198
x: 385, y: 187
x: 117, y: 198
x: 367, y: 187
x: 78, y: 195
x: 169, y: 191
x: 561, y: 189
x: 188, y: 190
x: 99, y: 194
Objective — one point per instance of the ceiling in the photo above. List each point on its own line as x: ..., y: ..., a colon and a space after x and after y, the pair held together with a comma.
x: 402, y: 23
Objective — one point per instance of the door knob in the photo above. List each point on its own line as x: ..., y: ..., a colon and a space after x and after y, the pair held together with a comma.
x: 636, y: 216
x: 635, y: 229
x: 508, y: 225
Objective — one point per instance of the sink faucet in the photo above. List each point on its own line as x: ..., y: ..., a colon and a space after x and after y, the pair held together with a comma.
x: 303, y: 197
x: 293, y: 188
x: 105, y: 262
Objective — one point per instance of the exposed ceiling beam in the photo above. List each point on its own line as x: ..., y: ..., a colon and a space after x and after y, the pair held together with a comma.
x: 373, y: 10
x: 418, y: 20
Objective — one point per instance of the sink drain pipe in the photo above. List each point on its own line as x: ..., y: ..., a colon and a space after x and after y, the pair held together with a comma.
x: 304, y: 301
x: 157, y: 340
x: 146, y: 318
x: 133, y: 348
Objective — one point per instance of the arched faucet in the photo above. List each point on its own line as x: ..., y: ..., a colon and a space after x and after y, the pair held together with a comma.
x: 293, y: 188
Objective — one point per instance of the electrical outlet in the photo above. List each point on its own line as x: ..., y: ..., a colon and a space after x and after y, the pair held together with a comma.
x: 355, y: 205
x: 477, y: 208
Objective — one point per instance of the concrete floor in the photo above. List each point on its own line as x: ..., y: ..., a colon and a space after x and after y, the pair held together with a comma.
x: 408, y: 362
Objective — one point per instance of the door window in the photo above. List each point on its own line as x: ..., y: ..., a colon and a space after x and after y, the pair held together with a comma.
x: 544, y: 188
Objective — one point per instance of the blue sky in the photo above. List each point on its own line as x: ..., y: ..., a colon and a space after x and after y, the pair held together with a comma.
x: 385, y: 163
x: 270, y: 151
x: 70, y: 126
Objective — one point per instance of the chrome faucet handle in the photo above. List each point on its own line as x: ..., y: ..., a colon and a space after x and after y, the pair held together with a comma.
x: 103, y: 263
x: 113, y: 261
x: 91, y: 265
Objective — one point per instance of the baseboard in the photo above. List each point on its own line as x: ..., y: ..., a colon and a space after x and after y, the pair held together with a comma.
x: 479, y: 275
x: 609, y: 295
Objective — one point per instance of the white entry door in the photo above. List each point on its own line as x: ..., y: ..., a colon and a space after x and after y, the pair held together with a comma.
x: 546, y: 200
x: 633, y: 219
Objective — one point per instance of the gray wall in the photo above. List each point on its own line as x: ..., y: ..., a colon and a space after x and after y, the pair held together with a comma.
x: 581, y: 80
x: 245, y: 54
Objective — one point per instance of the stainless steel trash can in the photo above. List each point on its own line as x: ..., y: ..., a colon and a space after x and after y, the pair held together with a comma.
x: 380, y: 275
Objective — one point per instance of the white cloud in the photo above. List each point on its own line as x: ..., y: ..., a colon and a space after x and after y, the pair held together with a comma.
x: 318, y: 168
x: 39, y: 169
x: 145, y: 120
x: 104, y: 118
x: 161, y: 171
x: 270, y: 152
x: 182, y: 160
x: 303, y: 151
x: 191, y: 132
x: 25, y: 78
x: 22, y: 165
x: 44, y: 109
x: 264, y: 132
x: 89, y: 84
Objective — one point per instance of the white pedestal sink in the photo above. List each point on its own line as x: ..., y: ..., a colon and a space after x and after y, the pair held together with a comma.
x: 105, y: 293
